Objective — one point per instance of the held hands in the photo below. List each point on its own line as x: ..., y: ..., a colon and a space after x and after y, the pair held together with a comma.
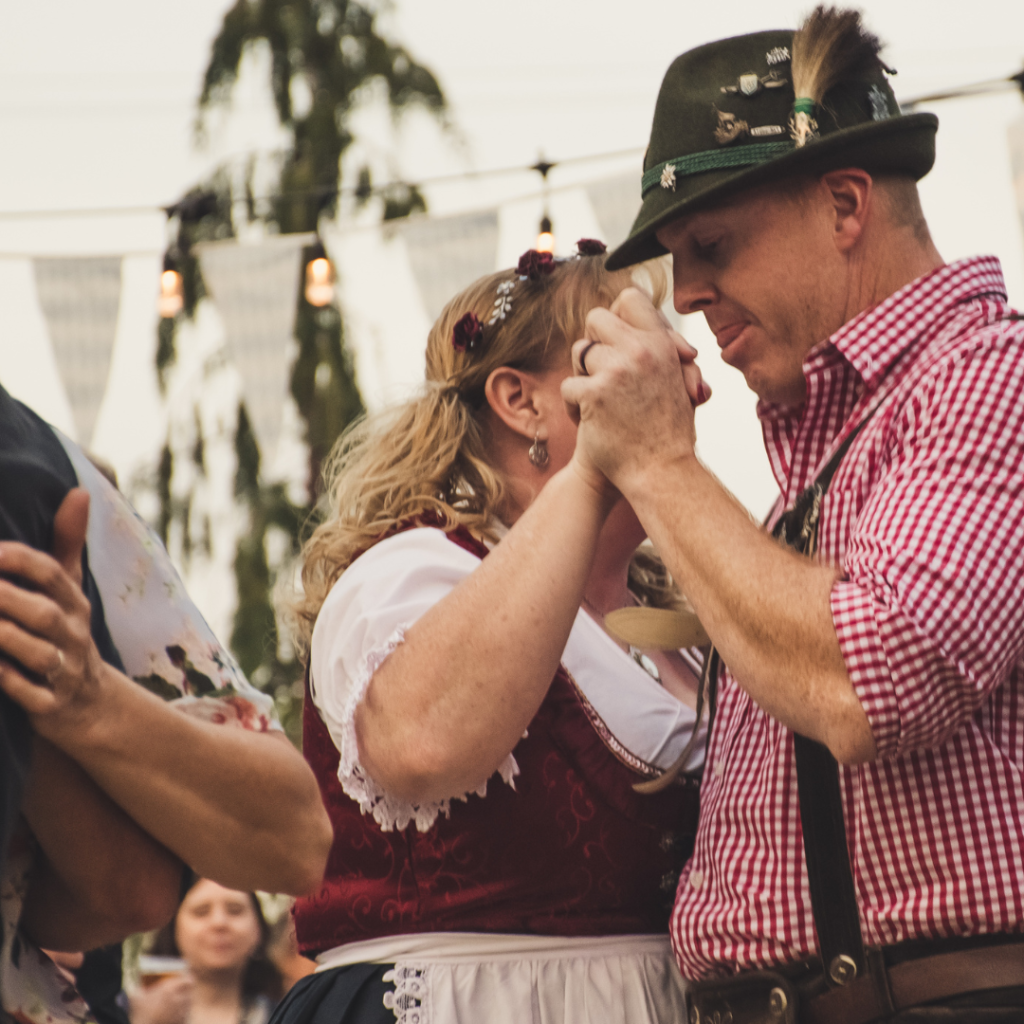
x: 48, y: 661
x: 634, y: 392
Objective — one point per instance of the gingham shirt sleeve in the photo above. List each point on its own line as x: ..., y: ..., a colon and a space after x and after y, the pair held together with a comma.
x: 930, y: 611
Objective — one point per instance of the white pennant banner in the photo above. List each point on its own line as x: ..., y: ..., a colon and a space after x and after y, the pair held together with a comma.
x: 1016, y: 140
x: 449, y: 253
x: 255, y: 289
x: 616, y: 202
x: 80, y: 298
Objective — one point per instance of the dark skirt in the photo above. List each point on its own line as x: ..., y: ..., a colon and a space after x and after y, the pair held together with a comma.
x: 342, y: 995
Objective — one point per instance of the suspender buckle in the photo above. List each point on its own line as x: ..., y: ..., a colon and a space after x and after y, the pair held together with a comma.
x: 843, y: 969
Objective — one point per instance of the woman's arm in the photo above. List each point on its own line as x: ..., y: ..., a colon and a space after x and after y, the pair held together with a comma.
x: 450, y: 702
x: 98, y: 877
x: 237, y: 806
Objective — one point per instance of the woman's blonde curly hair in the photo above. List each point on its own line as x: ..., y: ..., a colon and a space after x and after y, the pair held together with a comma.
x: 428, y: 456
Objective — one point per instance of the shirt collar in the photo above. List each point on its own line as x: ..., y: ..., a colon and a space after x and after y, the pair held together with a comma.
x: 873, y: 340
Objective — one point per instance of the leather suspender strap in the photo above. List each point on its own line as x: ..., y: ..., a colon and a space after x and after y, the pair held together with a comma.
x: 833, y: 896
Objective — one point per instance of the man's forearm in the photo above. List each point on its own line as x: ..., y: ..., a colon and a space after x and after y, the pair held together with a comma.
x: 766, y: 608
x: 98, y: 876
x: 237, y: 806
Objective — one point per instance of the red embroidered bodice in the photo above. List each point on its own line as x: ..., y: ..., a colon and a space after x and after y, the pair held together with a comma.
x: 572, y: 850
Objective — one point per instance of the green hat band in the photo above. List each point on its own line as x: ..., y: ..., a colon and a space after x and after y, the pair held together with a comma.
x: 715, y: 160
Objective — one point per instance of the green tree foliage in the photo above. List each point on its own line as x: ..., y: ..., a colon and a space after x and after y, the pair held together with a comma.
x: 330, y: 50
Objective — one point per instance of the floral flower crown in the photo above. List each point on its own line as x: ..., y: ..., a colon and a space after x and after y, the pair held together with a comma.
x: 467, y: 335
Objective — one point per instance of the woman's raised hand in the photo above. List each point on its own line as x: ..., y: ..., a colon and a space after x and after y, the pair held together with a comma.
x: 48, y: 661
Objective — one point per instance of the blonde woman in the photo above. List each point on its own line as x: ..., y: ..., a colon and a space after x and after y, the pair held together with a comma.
x: 475, y: 731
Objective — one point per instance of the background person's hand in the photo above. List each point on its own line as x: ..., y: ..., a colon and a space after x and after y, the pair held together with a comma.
x: 634, y: 404
x: 49, y: 663
x: 168, y: 1001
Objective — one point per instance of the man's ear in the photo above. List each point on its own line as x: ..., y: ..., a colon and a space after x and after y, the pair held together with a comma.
x: 852, y: 194
x: 511, y: 395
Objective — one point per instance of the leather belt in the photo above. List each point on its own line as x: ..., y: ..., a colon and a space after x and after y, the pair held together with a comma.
x: 798, y: 994
x: 932, y: 978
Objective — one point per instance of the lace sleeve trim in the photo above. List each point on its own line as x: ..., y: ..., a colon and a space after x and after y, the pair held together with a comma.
x: 389, y: 812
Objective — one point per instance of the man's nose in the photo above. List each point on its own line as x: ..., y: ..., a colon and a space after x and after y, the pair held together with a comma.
x: 692, y: 295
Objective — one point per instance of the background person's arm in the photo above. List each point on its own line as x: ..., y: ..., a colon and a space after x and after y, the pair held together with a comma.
x: 98, y: 876
x: 239, y: 807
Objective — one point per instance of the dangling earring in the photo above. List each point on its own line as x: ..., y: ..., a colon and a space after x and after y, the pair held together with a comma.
x: 538, y: 453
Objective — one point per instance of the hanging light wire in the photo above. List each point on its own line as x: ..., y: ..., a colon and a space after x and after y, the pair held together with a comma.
x: 974, y: 89
x: 494, y: 172
x: 964, y: 91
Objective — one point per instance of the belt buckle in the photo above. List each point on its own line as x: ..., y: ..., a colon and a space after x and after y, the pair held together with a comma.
x: 754, y: 997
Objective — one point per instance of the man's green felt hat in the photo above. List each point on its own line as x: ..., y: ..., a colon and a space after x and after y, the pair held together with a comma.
x: 722, y: 125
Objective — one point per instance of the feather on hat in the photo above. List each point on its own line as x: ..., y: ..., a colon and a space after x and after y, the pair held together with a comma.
x: 830, y: 48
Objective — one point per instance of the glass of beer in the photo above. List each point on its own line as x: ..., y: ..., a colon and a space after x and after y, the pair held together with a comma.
x: 155, y: 968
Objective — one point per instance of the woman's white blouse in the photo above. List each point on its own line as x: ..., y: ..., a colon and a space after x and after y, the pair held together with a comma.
x: 386, y: 590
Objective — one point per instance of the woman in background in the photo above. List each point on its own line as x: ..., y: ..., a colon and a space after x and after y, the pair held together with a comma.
x: 221, y: 936
x: 476, y: 732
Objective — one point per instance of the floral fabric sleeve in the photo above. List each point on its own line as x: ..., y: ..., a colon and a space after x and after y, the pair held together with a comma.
x: 164, y: 642
x: 34, y: 990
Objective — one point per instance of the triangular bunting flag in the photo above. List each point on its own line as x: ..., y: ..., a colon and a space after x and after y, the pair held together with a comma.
x: 80, y: 298
x: 1016, y: 139
x: 616, y: 202
x: 255, y: 289
x: 448, y: 253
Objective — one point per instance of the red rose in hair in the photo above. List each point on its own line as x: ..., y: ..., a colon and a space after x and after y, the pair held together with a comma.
x: 467, y: 333
x: 532, y: 264
x: 591, y: 247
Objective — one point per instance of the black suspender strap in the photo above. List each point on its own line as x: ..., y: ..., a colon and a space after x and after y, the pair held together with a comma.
x: 833, y: 897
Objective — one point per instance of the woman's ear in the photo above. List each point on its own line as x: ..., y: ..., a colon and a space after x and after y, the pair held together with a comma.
x: 511, y: 394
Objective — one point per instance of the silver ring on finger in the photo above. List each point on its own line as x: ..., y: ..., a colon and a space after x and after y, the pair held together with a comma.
x: 583, y: 358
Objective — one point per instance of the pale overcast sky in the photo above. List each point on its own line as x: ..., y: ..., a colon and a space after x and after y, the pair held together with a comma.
x: 97, y: 99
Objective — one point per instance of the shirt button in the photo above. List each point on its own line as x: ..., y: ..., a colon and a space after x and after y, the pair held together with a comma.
x: 719, y: 770
x: 696, y: 879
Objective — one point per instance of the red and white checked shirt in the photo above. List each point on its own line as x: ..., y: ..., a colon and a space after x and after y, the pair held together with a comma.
x: 926, y: 518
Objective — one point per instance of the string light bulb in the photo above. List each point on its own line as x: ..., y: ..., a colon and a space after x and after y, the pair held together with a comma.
x: 546, y: 239
x: 171, y: 300
x: 320, y: 277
